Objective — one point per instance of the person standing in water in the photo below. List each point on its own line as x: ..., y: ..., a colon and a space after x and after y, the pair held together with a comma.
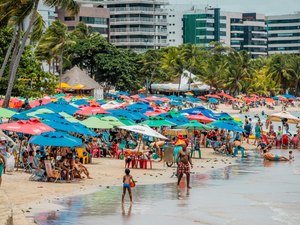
x: 2, y: 166
x: 184, y: 165
x: 127, y: 179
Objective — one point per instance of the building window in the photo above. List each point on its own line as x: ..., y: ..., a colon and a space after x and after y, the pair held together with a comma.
x: 69, y: 18
x: 93, y: 20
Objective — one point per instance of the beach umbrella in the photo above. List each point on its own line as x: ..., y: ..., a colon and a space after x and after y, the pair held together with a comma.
x: 52, y: 117
x: 69, y: 118
x: 57, y: 139
x: 39, y: 111
x: 126, y: 122
x: 32, y: 126
x: 6, y: 113
x: 213, y: 100
x: 158, y: 122
x: 202, y: 97
x: 189, y: 93
x: 61, y: 105
x: 91, y: 110
x: 200, y: 118
x: 156, y: 112
x: 39, y: 102
x: 143, y: 129
x: 195, y: 125
x: 21, y: 116
x: 96, y: 123
x: 212, y: 96
x: 226, y: 126
x: 278, y: 117
x: 123, y: 93
x: 70, y: 127
x: 176, y: 103
x: 112, y: 121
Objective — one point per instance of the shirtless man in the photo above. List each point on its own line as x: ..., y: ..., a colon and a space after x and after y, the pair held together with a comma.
x: 271, y: 157
x: 183, y: 165
x: 2, y: 166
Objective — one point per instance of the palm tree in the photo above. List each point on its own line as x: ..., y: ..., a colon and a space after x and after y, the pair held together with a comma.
x: 239, y: 71
x: 54, y: 42
x: 151, y: 66
x: 173, y: 64
x: 293, y: 69
x: 277, y: 69
x: 212, y: 73
x: 31, y: 10
x: 192, y: 57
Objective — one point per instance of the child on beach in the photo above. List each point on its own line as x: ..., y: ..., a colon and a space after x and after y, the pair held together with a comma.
x: 127, y: 179
x: 291, y: 157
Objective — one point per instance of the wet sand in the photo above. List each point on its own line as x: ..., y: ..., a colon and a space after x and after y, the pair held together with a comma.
x: 27, y: 196
x: 250, y: 192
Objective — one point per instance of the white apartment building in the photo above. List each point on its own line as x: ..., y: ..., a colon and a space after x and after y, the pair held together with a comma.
x: 137, y: 24
x: 284, y: 33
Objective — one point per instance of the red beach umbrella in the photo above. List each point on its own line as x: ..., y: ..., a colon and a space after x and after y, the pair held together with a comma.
x: 202, y: 97
x: 200, y: 118
x: 32, y: 126
x: 213, y: 96
x: 91, y: 110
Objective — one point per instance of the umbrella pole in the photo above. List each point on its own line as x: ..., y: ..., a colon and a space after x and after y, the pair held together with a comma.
x: 141, y: 138
x: 19, y: 153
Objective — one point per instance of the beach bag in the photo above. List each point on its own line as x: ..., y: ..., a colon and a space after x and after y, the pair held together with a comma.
x: 132, y: 184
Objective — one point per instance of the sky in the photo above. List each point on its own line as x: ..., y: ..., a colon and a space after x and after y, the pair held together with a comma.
x: 268, y: 7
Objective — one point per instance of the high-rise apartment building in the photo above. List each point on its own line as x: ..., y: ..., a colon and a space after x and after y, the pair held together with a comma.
x: 137, y: 24
x: 248, y: 32
x: 204, y: 26
x: 94, y: 17
x: 284, y: 33
x: 241, y: 31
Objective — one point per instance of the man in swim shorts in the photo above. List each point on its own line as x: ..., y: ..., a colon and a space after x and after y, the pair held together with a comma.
x: 271, y: 157
x: 183, y: 165
x: 2, y: 166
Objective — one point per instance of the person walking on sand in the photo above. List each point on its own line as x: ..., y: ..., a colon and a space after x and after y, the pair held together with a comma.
x: 2, y: 166
x: 127, y: 179
x: 183, y: 165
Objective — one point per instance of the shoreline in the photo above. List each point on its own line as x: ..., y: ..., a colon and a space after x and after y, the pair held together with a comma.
x: 32, y: 197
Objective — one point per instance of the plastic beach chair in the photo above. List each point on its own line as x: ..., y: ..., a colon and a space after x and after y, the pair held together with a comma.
x: 52, y: 174
x: 196, y: 149
x: 82, y: 155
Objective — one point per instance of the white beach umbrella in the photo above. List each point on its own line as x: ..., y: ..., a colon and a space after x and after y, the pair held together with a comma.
x: 284, y: 115
x: 143, y: 129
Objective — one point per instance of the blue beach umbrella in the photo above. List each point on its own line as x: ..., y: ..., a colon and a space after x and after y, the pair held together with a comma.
x: 55, y: 117
x: 226, y: 126
x: 71, y: 127
x: 176, y: 103
x: 56, y: 139
x: 213, y: 100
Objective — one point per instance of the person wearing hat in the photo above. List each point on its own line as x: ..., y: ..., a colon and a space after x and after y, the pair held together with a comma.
x: 3, y: 145
x: 181, y: 141
x: 2, y: 166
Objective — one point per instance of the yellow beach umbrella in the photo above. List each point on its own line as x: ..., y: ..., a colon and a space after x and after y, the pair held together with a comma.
x: 78, y: 86
x: 64, y: 85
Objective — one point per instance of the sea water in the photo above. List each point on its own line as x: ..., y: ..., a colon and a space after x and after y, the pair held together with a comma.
x: 251, y: 192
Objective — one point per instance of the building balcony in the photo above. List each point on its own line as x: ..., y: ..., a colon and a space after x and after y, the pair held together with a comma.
x: 137, y: 30
x: 137, y: 10
x: 138, y: 20
x: 138, y: 42
x: 157, y: 2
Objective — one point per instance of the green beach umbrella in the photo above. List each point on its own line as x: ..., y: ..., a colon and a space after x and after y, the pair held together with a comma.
x: 112, y: 121
x: 96, y: 123
x: 6, y: 113
x: 39, y: 111
x: 157, y: 121
x: 195, y: 125
x: 69, y: 118
x: 231, y: 120
x: 126, y: 121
